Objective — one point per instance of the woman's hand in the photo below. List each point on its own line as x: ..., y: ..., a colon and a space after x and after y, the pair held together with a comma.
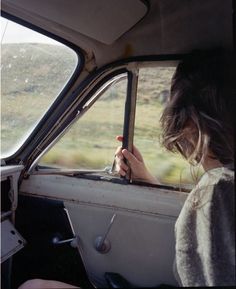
x: 136, y: 162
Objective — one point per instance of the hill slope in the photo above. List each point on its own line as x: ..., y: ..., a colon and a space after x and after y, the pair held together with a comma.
x: 35, y: 68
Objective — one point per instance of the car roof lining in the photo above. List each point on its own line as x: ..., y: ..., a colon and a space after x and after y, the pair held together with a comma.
x: 169, y: 27
x: 110, y: 18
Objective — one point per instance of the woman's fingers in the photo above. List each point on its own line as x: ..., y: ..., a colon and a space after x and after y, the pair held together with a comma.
x: 124, y: 166
x: 120, y: 159
x: 135, y: 159
x: 130, y: 157
x: 136, y: 152
x: 136, y: 163
x: 121, y: 172
x: 121, y: 154
x: 121, y: 167
x: 118, y: 153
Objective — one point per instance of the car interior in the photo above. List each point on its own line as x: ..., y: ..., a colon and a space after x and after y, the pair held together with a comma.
x: 100, y: 69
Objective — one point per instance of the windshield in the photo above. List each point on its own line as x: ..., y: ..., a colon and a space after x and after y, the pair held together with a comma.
x: 34, y: 70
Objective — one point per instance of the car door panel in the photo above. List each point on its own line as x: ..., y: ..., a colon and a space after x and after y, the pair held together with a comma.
x: 42, y: 221
x: 141, y: 237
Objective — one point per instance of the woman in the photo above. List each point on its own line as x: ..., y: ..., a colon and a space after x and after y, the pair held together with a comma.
x: 198, y: 123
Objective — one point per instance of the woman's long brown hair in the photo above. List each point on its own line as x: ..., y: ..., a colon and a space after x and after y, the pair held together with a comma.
x: 199, y: 116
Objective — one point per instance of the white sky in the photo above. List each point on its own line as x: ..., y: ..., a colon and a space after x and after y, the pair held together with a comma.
x: 15, y: 33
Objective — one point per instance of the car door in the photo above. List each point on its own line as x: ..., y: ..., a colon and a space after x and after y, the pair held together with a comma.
x: 119, y: 225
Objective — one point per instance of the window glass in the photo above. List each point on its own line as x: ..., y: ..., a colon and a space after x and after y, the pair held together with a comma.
x: 90, y: 143
x: 34, y: 70
x: 153, y: 91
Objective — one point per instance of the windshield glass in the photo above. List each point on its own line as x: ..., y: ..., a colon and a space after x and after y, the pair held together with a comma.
x: 34, y: 70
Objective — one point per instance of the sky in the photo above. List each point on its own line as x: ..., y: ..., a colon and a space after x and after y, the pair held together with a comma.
x: 15, y: 33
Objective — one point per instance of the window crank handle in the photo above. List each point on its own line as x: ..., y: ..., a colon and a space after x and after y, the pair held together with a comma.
x: 102, y: 244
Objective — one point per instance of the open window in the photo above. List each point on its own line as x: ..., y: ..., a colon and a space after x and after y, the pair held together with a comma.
x: 90, y: 143
x: 130, y: 103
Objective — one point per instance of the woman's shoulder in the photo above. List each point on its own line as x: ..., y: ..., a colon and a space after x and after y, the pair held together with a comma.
x: 214, y: 194
x: 216, y: 176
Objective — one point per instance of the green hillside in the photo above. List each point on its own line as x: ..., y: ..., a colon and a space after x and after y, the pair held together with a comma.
x: 34, y: 68
x: 32, y: 76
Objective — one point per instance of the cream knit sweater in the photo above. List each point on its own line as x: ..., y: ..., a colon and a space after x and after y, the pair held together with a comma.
x: 205, y: 232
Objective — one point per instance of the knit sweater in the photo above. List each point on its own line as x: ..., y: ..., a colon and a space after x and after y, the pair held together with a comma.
x: 205, y: 232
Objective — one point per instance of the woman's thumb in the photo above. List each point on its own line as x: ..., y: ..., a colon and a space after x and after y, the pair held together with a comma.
x: 119, y: 138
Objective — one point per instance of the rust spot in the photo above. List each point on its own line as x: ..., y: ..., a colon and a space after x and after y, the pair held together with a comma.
x: 128, y: 51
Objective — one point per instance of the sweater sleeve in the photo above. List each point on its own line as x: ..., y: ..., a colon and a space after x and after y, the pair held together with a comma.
x: 205, y: 237
x: 221, y: 270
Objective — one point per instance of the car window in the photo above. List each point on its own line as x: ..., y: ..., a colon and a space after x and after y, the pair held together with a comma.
x: 90, y: 143
x: 34, y: 70
x: 152, y: 95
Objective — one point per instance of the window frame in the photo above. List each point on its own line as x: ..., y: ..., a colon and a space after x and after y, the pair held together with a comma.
x: 88, y: 103
x: 82, y: 108
x: 128, y: 125
x: 130, y: 120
